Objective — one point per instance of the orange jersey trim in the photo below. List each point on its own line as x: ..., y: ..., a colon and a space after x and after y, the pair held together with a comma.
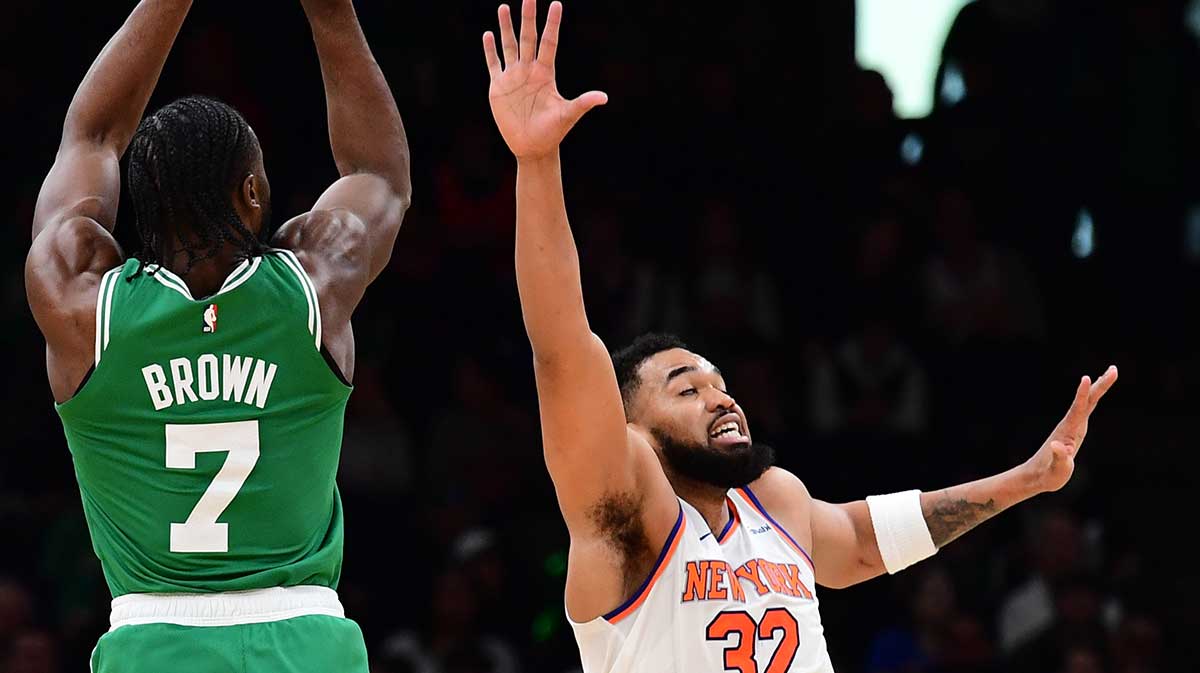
x: 750, y: 498
x: 735, y: 520
x: 635, y: 601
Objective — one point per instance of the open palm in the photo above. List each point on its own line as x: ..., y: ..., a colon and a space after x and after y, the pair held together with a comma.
x: 532, y: 116
x: 1054, y: 463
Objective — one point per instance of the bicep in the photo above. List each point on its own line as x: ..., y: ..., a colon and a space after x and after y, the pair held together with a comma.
x: 844, y: 548
x: 595, y: 461
x: 85, y: 181
x: 62, y: 272
x: 375, y: 203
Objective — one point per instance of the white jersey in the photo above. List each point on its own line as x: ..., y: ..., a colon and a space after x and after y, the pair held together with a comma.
x: 743, y: 600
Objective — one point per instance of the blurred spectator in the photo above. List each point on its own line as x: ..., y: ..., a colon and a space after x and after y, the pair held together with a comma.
x: 16, y: 610
x: 474, y: 194
x: 732, y: 297
x: 1078, y: 602
x: 975, y: 291
x: 458, y: 640
x: 1083, y: 659
x: 1137, y: 646
x: 376, y: 447
x: 1055, y: 546
x: 622, y: 291
x: 870, y: 382
x: 939, y: 636
x: 480, y: 420
x: 33, y: 651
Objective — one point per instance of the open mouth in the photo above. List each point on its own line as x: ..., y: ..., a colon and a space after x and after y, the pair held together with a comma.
x: 728, y: 425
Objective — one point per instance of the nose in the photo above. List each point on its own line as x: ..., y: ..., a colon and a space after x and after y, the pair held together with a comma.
x: 720, y: 401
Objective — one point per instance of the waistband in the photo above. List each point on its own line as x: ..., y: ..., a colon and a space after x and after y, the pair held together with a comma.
x: 225, y: 608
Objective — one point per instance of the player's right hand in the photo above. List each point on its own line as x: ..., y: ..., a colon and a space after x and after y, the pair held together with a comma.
x: 531, y: 115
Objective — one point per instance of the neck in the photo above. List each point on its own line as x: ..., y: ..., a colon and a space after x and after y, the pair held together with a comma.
x: 709, y: 500
x: 206, y: 276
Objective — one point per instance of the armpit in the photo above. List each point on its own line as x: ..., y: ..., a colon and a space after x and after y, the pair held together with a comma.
x: 618, y: 519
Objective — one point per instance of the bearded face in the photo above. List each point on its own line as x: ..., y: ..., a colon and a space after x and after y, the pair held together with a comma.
x: 699, y: 428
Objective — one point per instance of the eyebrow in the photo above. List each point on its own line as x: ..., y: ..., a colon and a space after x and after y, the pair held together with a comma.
x: 678, y: 371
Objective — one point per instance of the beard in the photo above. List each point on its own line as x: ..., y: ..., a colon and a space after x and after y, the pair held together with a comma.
x: 724, y: 469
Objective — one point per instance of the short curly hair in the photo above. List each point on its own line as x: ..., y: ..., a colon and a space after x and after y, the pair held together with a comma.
x: 629, y: 359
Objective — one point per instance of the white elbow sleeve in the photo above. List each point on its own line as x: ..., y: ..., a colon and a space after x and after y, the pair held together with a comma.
x: 900, y: 529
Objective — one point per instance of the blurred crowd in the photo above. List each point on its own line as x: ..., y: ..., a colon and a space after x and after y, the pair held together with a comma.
x: 896, y: 304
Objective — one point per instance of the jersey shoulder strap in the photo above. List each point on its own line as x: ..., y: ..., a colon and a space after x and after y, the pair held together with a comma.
x: 104, y: 299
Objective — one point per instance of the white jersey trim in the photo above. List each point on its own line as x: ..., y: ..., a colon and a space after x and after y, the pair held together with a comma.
x: 232, y: 281
x: 108, y: 282
x: 310, y: 294
x: 225, y: 608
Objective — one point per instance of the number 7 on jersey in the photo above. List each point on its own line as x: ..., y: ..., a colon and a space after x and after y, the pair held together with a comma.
x: 201, y: 532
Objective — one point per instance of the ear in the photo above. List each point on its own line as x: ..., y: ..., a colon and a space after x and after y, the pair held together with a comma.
x: 250, y: 192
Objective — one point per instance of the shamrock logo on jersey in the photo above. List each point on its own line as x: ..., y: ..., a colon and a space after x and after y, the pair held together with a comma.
x: 210, y: 319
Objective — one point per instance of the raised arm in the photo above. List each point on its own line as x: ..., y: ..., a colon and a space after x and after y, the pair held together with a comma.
x: 607, y: 478
x: 77, y: 206
x: 353, y: 225
x: 346, y: 240
x: 857, y: 541
x: 106, y: 110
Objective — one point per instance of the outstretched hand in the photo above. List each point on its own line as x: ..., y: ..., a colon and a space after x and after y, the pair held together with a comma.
x: 532, y: 116
x: 1054, y: 463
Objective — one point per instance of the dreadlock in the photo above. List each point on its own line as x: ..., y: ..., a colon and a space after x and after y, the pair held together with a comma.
x: 184, y: 161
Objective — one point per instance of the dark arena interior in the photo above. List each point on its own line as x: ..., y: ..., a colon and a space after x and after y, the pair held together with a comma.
x: 896, y: 300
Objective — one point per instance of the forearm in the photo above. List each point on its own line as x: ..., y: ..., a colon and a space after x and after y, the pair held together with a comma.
x: 546, y: 259
x: 911, y: 526
x: 953, y: 511
x: 109, y: 103
x: 365, y: 129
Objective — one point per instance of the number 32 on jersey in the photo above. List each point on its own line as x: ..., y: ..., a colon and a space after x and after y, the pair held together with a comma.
x: 739, y: 624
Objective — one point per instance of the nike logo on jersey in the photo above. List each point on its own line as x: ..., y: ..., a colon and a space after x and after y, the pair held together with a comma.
x: 705, y: 535
x: 234, y: 378
x: 717, y: 580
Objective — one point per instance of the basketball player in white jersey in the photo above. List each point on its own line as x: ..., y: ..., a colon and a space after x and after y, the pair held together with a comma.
x: 690, y: 553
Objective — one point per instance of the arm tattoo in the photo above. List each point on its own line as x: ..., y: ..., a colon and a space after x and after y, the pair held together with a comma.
x: 948, y: 518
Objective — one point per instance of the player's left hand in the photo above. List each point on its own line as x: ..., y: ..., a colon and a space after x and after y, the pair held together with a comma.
x: 1052, y: 466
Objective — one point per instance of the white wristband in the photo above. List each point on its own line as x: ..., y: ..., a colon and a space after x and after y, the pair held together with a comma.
x: 900, y: 529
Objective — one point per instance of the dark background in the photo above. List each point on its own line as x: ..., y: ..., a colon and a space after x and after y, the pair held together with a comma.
x: 887, y: 324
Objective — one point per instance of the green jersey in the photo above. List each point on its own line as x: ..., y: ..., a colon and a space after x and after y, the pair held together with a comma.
x: 206, y: 440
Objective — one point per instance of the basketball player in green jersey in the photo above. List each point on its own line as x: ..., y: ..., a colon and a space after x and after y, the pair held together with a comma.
x: 202, y: 382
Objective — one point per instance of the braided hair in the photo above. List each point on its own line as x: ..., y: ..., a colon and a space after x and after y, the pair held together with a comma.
x: 184, y: 162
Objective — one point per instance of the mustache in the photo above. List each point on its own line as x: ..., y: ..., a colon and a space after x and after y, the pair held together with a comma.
x: 724, y: 469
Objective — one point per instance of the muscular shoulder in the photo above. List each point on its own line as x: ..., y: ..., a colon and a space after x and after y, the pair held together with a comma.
x: 786, y: 497
x: 73, y: 246
x: 322, y: 234
x: 64, y: 266
x: 329, y: 245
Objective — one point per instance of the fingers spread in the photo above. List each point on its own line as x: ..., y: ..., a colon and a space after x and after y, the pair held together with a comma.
x: 549, y: 46
x: 508, y: 38
x: 1102, y: 386
x: 1079, y: 406
x: 587, y: 101
x: 490, y: 55
x: 528, y: 29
